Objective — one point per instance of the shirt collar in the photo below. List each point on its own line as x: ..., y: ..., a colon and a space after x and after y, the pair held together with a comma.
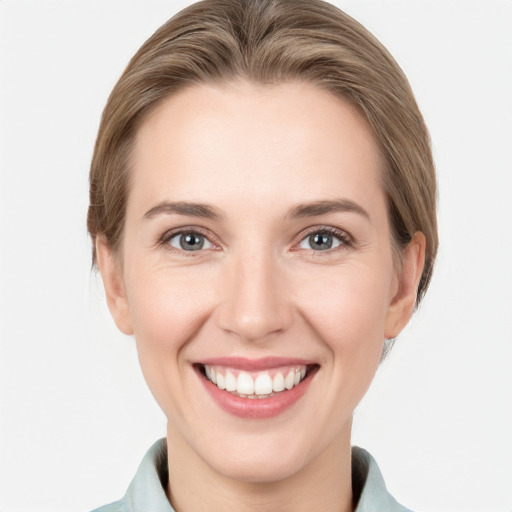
x: 147, y: 489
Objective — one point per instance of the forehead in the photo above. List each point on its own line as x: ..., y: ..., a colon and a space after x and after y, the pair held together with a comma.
x: 240, y: 138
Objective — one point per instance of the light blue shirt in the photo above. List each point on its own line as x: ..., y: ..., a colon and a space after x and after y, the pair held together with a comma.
x: 146, y: 492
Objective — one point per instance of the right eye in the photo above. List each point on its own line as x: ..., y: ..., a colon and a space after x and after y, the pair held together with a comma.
x: 189, y: 241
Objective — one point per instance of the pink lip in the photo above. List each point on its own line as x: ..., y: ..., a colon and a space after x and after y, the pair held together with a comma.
x: 255, y: 365
x: 256, y: 408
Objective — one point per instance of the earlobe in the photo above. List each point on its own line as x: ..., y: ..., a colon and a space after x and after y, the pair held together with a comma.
x: 113, y: 282
x: 402, y: 303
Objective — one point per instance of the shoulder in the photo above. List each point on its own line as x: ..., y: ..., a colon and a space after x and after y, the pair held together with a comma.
x: 117, y: 506
x: 146, y: 491
x: 369, y: 489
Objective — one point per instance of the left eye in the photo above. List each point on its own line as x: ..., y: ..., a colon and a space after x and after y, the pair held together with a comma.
x: 190, y: 242
x: 321, y: 241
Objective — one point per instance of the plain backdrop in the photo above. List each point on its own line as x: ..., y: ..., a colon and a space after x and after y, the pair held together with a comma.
x: 75, y: 414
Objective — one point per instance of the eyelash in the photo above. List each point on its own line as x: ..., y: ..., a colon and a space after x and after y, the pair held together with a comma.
x: 192, y: 230
x: 346, y: 240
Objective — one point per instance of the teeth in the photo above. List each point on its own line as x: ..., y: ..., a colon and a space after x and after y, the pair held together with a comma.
x: 278, y: 382
x: 230, y: 382
x: 261, y: 386
x: 220, y: 381
x: 245, y: 384
x: 289, y: 380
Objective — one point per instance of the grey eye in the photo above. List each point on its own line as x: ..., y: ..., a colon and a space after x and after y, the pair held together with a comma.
x: 190, y: 242
x: 320, y: 242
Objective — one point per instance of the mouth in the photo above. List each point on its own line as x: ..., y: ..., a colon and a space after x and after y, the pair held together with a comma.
x: 256, y: 385
x: 256, y: 389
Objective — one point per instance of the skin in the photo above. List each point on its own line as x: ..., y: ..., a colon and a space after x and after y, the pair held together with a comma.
x: 258, y: 288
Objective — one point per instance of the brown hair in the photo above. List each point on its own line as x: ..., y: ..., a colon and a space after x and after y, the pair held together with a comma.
x: 269, y: 42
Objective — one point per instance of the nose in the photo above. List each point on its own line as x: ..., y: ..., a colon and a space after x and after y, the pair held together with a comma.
x: 256, y: 301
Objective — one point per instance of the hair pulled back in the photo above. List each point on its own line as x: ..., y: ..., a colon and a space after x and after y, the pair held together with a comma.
x: 270, y: 42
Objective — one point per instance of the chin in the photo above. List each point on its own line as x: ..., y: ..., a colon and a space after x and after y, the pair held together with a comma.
x: 260, y: 458
x: 258, y: 469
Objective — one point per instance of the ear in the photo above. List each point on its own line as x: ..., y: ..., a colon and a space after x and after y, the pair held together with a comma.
x: 402, y: 303
x: 112, y: 275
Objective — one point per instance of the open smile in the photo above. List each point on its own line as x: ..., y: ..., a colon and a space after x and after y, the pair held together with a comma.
x: 256, y: 389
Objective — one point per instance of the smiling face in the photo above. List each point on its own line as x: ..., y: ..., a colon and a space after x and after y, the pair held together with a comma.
x: 257, y: 254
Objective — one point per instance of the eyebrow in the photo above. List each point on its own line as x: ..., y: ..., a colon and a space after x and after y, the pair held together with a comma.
x: 301, y: 210
x: 184, y: 208
x: 327, y: 206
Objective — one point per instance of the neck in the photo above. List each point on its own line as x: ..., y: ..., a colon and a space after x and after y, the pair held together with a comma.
x: 324, y: 483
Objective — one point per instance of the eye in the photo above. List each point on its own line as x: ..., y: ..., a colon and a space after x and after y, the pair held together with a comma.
x: 189, y: 241
x: 324, y: 240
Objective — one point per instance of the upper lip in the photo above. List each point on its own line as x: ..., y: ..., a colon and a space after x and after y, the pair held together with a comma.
x: 264, y: 363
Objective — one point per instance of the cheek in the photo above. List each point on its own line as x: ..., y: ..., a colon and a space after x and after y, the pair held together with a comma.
x: 167, y: 309
x: 167, y: 306
x: 348, y: 307
x: 344, y: 309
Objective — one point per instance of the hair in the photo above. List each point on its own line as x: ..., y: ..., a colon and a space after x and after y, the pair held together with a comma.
x: 271, y: 42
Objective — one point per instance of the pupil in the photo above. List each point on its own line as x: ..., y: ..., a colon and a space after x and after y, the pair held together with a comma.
x: 320, y: 241
x: 191, y: 242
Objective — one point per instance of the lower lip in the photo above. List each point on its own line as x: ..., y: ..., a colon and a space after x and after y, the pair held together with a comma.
x: 257, y: 408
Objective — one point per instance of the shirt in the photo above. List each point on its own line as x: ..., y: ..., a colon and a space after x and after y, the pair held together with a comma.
x: 146, y: 492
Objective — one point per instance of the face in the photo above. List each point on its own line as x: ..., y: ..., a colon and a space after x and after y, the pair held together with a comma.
x: 257, y: 254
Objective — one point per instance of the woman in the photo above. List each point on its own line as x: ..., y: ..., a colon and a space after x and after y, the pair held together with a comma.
x: 262, y: 210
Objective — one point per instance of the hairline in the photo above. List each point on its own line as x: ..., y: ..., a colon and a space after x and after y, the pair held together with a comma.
x: 237, y: 79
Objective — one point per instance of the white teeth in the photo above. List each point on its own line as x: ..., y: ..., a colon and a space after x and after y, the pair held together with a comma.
x: 230, y: 382
x: 220, y: 381
x: 278, y: 382
x: 263, y: 384
x: 245, y: 384
x: 289, y: 380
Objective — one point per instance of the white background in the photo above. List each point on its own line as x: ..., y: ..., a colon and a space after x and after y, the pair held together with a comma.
x: 75, y: 414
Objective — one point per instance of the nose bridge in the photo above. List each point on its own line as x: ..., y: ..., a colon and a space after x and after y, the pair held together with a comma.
x: 255, y: 302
